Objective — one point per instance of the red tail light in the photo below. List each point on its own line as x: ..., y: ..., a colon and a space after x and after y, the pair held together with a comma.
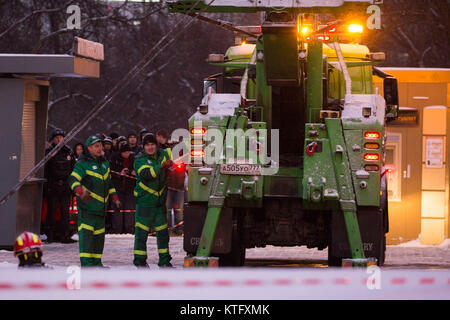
x: 371, y: 157
x: 179, y: 166
x: 198, y: 131
x: 197, y: 153
x: 372, y: 135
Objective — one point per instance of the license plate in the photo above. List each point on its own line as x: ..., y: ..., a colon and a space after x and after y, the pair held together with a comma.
x: 240, y: 169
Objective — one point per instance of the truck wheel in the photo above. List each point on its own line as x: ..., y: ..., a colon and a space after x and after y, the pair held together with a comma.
x: 372, y: 226
x: 333, y: 261
x: 384, y: 207
x: 236, y: 257
x: 382, y: 257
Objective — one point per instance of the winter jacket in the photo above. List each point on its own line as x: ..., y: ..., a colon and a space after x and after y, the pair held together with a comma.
x: 122, y: 184
x: 108, y: 154
x: 58, y: 169
x: 94, y: 176
x: 150, y: 188
x: 136, y: 149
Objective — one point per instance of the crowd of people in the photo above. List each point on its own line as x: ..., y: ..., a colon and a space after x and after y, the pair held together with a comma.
x: 121, y: 152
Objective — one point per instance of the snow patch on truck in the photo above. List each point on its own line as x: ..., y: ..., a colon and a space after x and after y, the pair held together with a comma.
x: 220, y: 105
x: 354, y: 104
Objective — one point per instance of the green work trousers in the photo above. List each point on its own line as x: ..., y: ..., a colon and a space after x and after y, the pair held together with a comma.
x: 91, y: 238
x: 146, y: 217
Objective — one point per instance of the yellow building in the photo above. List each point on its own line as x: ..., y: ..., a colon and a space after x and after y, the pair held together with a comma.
x: 417, y: 156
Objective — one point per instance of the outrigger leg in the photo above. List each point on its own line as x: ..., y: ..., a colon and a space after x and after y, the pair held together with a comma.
x: 215, y: 206
x: 346, y: 191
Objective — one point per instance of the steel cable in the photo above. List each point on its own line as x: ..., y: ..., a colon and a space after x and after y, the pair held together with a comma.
x: 119, y: 87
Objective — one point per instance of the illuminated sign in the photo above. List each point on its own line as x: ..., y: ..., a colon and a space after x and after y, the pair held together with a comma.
x: 406, y: 117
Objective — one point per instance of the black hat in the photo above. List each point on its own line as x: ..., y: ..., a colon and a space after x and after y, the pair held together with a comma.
x: 121, y: 138
x: 77, y: 144
x: 107, y: 140
x: 132, y: 134
x: 57, y: 132
x: 143, y: 132
x: 113, y: 135
x: 149, y: 138
x: 124, y: 147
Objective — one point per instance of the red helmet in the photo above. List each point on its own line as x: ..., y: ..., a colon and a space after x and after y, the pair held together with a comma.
x: 27, y: 242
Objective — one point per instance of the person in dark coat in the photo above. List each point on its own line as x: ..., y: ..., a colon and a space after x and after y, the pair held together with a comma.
x: 133, y: 142
x: 142, y: 133
x: 114, y: 137
x: 78, y: 149
x: 122, y: 163
x: 108, y: 147
x: 120, y: 141
x: 163, y: 138
x: 58, y: 192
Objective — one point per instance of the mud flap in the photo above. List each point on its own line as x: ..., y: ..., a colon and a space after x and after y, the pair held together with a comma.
x: 194, y: 219
x: 372, y: 228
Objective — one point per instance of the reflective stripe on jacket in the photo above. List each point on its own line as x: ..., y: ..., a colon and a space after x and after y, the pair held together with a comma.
x: 93, y: 175
x: 150, y: 188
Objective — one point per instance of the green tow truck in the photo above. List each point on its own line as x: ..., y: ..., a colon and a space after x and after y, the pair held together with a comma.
x: 287, y: 144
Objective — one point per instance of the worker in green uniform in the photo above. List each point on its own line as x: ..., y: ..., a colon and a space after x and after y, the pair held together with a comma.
x: 91, y: 182
x: 150, y: 167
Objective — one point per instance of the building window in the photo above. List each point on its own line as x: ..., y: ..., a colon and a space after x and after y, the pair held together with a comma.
x: 394, y: 166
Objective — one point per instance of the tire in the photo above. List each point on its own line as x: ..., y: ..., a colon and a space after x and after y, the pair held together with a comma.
x: 335, y: 258
x: 384, y: 207
x: 333, y: 261
x: 382, y: 257
x: 236, y: 257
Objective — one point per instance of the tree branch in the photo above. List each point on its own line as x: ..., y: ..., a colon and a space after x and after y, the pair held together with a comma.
x: 31, y: 15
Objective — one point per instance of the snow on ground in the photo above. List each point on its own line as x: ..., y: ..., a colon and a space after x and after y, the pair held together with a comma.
x: 118, y: 252
x: 411, y: 271
x: 418, y: 244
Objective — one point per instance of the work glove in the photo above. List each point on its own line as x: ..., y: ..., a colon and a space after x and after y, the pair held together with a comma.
x: 83, y: 194
x: 167, y: 164
x: 116, y: 201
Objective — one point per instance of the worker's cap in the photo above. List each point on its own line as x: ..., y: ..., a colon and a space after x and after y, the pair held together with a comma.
x: 57, y: 132
x: 149, y: 138
x: 124, y: 147
x: 107, y: 140
x: 143, y: 132
x: 91, y: 140
x: 121, y: 138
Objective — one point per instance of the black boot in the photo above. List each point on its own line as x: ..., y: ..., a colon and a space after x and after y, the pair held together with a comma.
x: 166, y: 264
x: 50, y: 237
x: 140, y: 263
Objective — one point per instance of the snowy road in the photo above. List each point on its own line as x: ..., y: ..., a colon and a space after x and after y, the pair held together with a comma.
x: 241, y: 284
x: 118, y: 252
x: 411, y: 272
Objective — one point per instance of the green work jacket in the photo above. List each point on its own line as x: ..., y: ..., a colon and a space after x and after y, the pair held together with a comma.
x: 150, y: 189
x: 93, y: 175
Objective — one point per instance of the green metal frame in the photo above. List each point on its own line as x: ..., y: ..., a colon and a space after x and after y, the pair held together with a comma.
x: 345, y: 185
x: 338, y: 178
